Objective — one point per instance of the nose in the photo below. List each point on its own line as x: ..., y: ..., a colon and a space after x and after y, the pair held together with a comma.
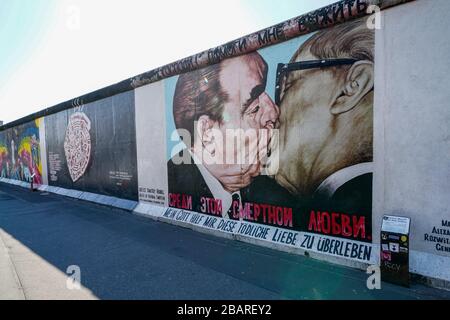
x: 270, y: 112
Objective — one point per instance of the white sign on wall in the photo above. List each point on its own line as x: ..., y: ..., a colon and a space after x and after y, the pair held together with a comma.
x: 151, y: 143
x: 396, y: 224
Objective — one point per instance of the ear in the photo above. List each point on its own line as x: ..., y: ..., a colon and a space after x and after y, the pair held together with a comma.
x: 358, y: 82
x: 205, y: 134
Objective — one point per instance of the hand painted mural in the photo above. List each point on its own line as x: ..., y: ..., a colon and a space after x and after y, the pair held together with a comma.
x: 93, y: 147
x: 300, y: 119
x: 20, y: 155
x: 268, y: 137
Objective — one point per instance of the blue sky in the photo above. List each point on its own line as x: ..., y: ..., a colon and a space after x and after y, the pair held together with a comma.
x: 21, y: 29
x: 55, y: 50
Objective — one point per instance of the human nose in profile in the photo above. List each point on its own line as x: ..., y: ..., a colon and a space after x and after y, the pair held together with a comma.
x: 270, y: 112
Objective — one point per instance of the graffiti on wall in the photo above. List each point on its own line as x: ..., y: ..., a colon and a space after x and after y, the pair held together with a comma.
x: 298, y: 111
x: 325, y: 17
x: 20, y: 155
x: 275, y: 144
x: 93, y: 148
x: 281, y: 137
x: 77, y: 145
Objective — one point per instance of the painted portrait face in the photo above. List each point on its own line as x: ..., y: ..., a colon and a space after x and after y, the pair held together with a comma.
x: 309, y: 147
x: 326, y: 121
x: 248, y: 106
x: 305, y: 122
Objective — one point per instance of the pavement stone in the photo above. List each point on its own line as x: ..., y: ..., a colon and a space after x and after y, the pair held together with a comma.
x: 126, y: 256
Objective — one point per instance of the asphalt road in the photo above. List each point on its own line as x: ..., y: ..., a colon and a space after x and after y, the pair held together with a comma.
x: 124, y: 256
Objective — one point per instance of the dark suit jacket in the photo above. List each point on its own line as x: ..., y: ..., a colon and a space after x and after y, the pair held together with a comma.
x: 187, y: 179
x: 353, y: 198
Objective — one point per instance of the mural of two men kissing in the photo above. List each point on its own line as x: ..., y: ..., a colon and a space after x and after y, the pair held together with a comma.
x: 304, y: 113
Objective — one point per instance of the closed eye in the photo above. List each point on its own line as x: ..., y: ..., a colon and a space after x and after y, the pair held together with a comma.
x: 255, y: 109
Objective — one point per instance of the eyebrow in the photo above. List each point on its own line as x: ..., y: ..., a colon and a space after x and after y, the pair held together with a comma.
x: 255, y: 93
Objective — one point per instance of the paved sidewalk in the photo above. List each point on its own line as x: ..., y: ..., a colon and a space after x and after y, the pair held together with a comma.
x: 123, y: 256
x: 10, y: 286
x: 25, y: 275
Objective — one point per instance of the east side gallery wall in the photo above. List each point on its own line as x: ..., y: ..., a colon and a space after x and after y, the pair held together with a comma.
x: 300, y: 141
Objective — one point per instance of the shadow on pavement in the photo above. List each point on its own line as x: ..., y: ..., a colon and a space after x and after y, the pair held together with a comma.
x: 123, y: 256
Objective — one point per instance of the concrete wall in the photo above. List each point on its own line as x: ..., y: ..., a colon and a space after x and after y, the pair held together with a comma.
x: 412, y: 128
x: 411, y: 147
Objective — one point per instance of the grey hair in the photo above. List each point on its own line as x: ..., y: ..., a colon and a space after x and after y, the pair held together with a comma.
x: 349, y: 40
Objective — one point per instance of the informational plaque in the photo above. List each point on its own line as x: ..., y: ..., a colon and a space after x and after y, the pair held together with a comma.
x: 395, y: 224
x: 395, y: 250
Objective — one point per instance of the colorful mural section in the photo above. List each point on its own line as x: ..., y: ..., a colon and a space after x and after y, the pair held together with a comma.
x: 92, y: 148
x: 20, y: 153
x: 268, y: 137
x: 275, y: 144
x: 280, y: 138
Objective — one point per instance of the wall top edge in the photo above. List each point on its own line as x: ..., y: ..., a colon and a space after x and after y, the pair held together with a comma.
x: 325, y: 17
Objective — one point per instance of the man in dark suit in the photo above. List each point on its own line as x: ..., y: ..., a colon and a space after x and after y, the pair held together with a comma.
x: 186, y: 179
x: 326, y: 126
x: 209, y: 105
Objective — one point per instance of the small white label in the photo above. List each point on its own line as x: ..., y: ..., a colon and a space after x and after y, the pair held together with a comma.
x: 395, y: 224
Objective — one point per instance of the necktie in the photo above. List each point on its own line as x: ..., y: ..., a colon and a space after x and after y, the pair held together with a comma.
x: 233, y: 212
